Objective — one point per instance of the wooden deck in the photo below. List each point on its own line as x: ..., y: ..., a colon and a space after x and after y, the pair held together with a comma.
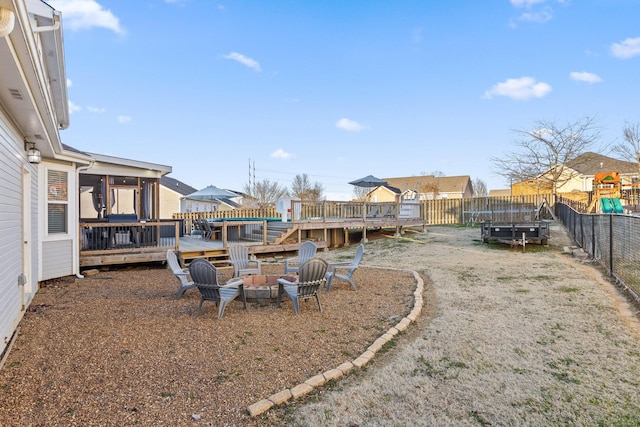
x: 327, y: 225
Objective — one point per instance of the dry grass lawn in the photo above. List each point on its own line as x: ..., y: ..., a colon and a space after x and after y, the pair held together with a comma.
x: 535, y: 339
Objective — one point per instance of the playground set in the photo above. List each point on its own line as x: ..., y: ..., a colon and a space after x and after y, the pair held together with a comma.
x: 607, y: 191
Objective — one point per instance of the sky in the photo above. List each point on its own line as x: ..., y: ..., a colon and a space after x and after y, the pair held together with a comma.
x: 228, y: 93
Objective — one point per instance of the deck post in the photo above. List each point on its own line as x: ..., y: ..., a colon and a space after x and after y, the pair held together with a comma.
x: 264, y: 232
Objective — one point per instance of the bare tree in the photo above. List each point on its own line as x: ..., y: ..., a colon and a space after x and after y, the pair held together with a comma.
x: 303, y: 189
x: 265, y: 193
x: 430, y: 187
x: 629, y: 149
x: 435, y: 173
x: 360, y: 193
x: 543, y: 152
x: 480, y: 188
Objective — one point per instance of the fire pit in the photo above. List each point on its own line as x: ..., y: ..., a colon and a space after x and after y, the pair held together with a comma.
x: 263, y: 288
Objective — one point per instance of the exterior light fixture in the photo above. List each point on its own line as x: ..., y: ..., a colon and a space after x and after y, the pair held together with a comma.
x: 33, y: 154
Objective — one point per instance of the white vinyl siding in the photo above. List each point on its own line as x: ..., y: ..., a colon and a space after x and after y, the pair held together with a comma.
x: 57, y: 259
x: 11, y: 244
x: 59, y: 225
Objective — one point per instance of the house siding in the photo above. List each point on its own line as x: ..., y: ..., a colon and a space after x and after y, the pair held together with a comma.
x: 12, y: 162
x: 57, y: 250
x: 169, y: 203
x: 57, y: 259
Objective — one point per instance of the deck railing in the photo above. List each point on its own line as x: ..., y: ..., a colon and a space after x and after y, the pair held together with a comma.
x: 298, y: 211
x: 112, y: 238
x: 327, y: 211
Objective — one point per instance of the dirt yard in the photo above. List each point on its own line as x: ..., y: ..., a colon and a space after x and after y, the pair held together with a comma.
x: 505, y: 338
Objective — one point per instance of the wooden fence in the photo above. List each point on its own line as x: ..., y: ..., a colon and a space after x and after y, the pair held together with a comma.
x: 474, y: 210
x: 434, y: 212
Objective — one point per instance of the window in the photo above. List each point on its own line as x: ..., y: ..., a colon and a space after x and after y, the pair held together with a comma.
x: 57, y: 201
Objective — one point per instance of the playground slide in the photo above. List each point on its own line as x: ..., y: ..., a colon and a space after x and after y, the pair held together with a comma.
x: 605, y: 204
x: 611, y: 205
x: 617, y: 206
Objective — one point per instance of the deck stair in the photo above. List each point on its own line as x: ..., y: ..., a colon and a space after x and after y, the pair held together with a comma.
x: 217, y: 257
x: 276, y: 231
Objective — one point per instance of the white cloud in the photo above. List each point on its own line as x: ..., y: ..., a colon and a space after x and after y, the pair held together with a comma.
x: 69, y: 83
x: 73, y: 108
x: 520, y: 88
x: 537, y: 17
x: 124, y: 119
x: 244, y: 60
x: 525, y: 3
x: 86, y: 14
x: 96, y: 110
x: 350, y: 125
x: 627, y: 48
x: 583, y: 76
x: 281, y: 154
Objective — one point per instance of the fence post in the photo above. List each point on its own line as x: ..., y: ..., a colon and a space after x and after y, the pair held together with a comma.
x: 611, y: 245
x: 593, y: 237
x: 264, y: 231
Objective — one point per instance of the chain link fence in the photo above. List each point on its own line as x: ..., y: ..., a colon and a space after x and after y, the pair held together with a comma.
x: 611, y: 240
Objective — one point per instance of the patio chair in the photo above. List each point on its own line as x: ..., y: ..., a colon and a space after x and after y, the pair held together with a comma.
x: 337, y: 269
x: 306, y: 251
x: 205, y: 278
x: 197, y: 230
x: 182, y: 274
x: 312, y: 275
x: 242, y: 265
x: 373, y: 211
x: 206, y: 229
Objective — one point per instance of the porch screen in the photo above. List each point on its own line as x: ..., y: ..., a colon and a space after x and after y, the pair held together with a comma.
x: 57, y: 201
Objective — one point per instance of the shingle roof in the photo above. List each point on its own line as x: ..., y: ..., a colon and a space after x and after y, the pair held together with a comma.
x: 592, y: 163
x: 445, y: 184
x: 177, y: 186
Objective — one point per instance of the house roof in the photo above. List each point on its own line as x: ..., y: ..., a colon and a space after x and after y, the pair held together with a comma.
x: 445, y: 184
x: 387, y: 187
x: 500, y: 192
x: 33, y: 85
x: 592, y: 163
x: 120, y: 161
x: 177, y: 186
x: 229, y: 202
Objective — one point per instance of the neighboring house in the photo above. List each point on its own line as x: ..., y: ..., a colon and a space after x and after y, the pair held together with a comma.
x: 427, y: 187
x: 500, y: 193
x: 384, y: 193
x: 172, y: 193
x: 578, y: 175
x: 214, y: 204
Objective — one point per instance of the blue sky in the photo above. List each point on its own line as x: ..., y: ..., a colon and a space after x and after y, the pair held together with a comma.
x: 341, y: 89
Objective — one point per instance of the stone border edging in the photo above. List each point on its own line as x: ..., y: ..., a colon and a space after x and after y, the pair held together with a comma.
x: 307, y: 387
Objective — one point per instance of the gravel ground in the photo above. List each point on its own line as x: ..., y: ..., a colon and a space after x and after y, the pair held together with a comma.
x: 505, y: 338
x: 117, y: 349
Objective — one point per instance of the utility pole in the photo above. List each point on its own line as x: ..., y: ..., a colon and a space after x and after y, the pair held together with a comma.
x: 252, y: 186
